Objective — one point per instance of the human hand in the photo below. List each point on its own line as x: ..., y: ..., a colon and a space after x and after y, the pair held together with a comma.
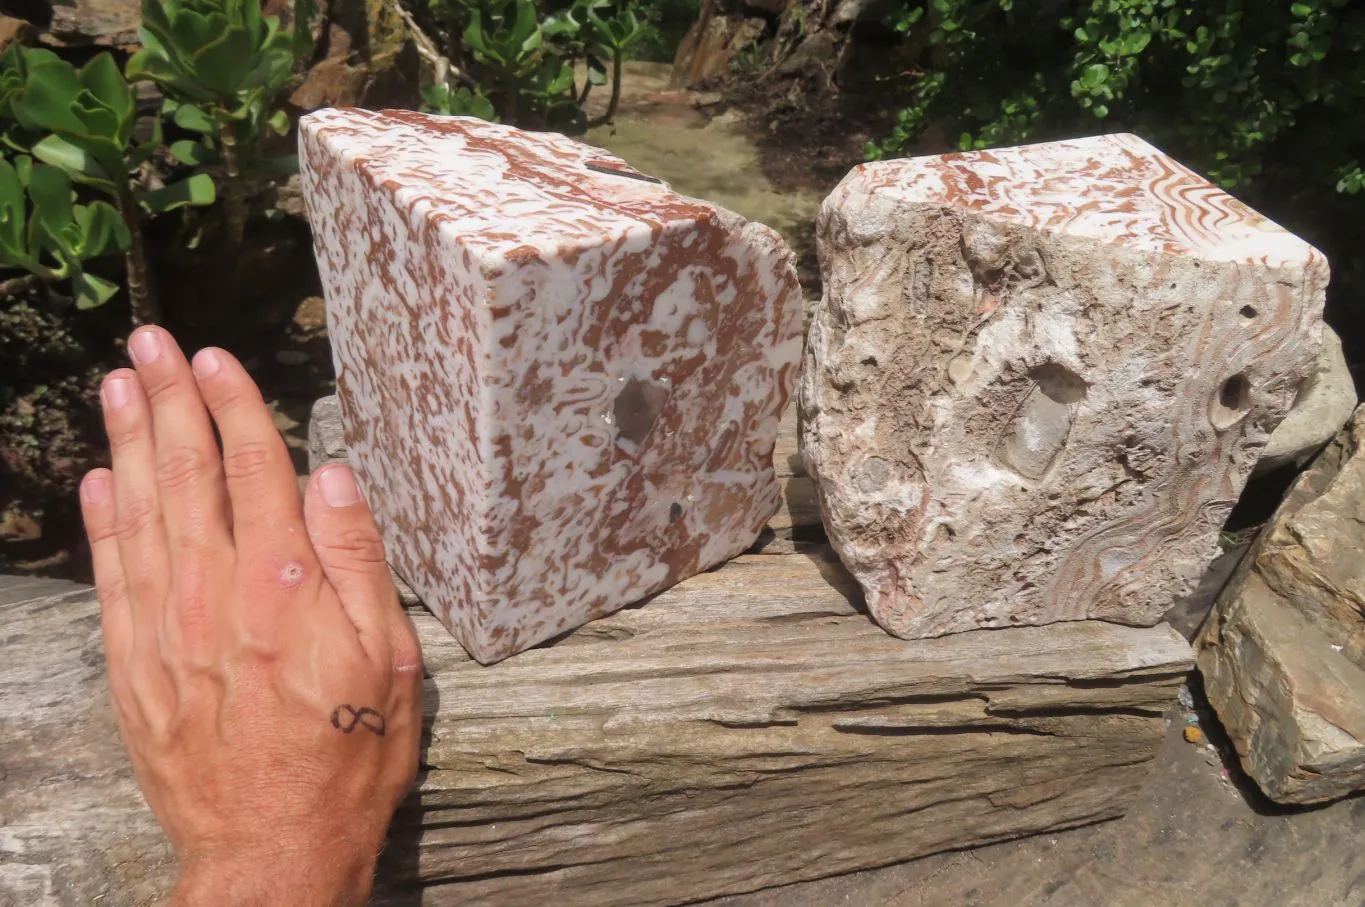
x: 267, y: 681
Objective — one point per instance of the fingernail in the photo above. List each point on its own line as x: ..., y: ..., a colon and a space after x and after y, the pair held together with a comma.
x: 206, y: 363
x: 338, y: 487
x: 95, y: 488
x: 117, y: 392
x: 144, y: 346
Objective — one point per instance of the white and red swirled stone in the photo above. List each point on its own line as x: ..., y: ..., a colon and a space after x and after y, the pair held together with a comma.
x: 561, y: 381
x: 1040, y: 376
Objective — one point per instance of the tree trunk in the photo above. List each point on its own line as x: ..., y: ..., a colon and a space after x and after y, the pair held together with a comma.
x: 235, y: 212
x: 800, y: 38
x: 141, y: 296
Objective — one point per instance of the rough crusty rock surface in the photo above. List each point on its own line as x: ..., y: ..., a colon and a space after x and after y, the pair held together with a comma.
x: 561, y: 381
x: 1039, y: 378
x: 1322, y: 406
x: 1283, y: 653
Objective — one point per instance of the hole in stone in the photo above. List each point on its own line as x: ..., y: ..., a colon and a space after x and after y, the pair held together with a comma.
x: 1234, y: 399
x: 637, y: 408
x: 675, y: 512
x: 1058, y: 383
x: 1248, y: 312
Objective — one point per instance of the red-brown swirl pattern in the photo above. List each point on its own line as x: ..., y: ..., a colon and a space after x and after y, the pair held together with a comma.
x: 561, y: 387
x: 1040, y: 376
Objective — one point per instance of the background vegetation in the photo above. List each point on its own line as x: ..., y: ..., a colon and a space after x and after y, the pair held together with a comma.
x: 1265, y: 97
x: 141, y: 183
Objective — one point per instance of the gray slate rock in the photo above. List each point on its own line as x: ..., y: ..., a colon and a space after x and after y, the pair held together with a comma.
x: 1283, y: 655
x: 1321, y: 408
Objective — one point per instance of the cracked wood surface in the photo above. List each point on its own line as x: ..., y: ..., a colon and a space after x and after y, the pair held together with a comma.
x: 748, y: 728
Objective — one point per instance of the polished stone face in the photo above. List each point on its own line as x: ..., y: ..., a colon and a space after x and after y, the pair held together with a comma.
x: 561, y: 381
x: 1039, y: 378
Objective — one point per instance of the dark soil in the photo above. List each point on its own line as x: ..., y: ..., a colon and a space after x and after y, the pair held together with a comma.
x: 261, y: 304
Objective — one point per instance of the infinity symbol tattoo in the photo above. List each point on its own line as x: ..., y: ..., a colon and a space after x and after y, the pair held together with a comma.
x: 347, y: 718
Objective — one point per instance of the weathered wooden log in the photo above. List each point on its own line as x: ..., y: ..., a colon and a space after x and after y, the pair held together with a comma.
x: 750, y: 727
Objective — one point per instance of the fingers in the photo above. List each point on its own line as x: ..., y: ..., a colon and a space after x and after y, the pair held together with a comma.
x: 267, y: 516
x: 351, y: 552
x: 188, y: 467
x: 97, y: 511
x: 139, y: 686
x: 138, y: 524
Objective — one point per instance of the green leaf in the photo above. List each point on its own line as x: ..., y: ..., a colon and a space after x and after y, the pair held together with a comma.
x: 102, y: 78
x: 50, y: 189
x: 13, y: 215
x: 279, y: 122
x: 49, y: 99
x: 526, y: 29
x: 188, y: 151
x: 1093, y: 76
x: 193, y: 119
x: 104, y: 231
x: 1302, y: 10
x: 305, y: 11
x: 91, y: 291
x: 196, y: 191
x: 80, y: 163
x: 473, y: 34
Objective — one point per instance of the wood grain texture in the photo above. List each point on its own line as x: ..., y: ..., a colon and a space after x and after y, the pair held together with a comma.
x: 748, y: 728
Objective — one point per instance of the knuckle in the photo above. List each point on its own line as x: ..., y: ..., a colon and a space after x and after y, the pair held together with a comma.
x: 110, y: 590
x: 158, y: 386
x: 182, y: 466
x: 249, y: 460
x: 231, y: 396
x: 407, y: 657
x: 99, y: 528
x: 358, y: 546
x: 127, y: 431
x: 135, y: 516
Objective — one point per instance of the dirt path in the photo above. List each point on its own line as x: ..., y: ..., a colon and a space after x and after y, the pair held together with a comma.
x: 671, y: 135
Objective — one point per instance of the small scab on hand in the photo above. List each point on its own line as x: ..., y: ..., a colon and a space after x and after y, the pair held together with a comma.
x: 292, y: 575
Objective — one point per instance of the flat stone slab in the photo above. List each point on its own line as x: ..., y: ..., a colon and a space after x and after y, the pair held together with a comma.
x: 561, y: 380
x: 1040, y: 377
x: 747, y: 728
x: 1283, y: 653
x: 1322, y: 406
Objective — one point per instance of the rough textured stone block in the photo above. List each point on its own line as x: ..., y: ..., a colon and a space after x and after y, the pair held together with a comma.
x: 1283, y: 654
x: 561, y: 381
x: 1039, y: 378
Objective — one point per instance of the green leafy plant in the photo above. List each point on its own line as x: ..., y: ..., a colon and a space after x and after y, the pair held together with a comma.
x: 439, y: 98
x: 612, y: 37
x: 222, y: 64
x: 510, y: 43
x: 1227, y: 85
x: 527, y: 60
x: 44, y: 232
x: 82, y: 122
